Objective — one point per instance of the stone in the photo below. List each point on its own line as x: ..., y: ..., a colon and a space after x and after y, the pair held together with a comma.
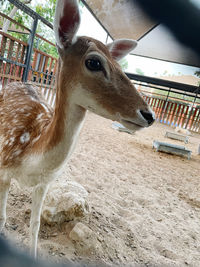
x: 80, y: 233
x: 65, y: 202
x: 85, y: 239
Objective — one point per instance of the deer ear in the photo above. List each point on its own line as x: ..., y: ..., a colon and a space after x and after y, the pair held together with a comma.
x: 66, y: 22
x: 121, y: 47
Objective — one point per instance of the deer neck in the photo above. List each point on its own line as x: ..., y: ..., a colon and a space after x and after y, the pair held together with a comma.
x: 67, y: 121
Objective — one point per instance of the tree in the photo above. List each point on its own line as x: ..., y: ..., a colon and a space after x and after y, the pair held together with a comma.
x: 12, y: 13
x: 45, y: 9
x: 197, y: 73
x: 165, y: 72
x: 124, y: 64
x: 139, y: 71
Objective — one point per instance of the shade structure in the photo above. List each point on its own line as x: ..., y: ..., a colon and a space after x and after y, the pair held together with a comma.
x: 124, y: 19
x: 120, y: 19
x: 161, y: 44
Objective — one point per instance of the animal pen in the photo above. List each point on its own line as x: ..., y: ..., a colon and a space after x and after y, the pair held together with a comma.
x: 175, y: 104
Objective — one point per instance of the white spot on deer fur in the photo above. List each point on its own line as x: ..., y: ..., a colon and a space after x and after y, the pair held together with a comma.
x: 12, y: 139
x: 6, y: 143
x: 33, y: 99
x: 39, y: 116
x: 36, y: 139
x: 17, y: 152
x: 24, y: 138
x: 45, y: 107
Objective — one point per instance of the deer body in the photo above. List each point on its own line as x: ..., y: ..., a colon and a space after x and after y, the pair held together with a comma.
x: 36, y: 140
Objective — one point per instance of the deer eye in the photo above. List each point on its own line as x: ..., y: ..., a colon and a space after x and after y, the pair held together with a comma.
x: 94, y: 64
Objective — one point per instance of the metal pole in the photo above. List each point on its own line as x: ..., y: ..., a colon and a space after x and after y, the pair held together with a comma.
x: 29, y: 50
x: 168, y: 94
x: 107, y: 38
x: 37, y: 44
x: 165, y: 106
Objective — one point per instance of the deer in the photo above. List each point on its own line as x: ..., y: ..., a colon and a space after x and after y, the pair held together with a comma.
x: 36, y: 140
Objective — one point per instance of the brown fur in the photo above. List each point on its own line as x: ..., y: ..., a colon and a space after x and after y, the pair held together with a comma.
x: 20, y: 107
x: 22, y: 110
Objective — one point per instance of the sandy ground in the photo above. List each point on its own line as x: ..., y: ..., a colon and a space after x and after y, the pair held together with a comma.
x: 144, y: 205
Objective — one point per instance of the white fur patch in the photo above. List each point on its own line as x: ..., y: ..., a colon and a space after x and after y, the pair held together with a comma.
x: 24, y: 138
x: 85, y: 99
x: 45, y: 107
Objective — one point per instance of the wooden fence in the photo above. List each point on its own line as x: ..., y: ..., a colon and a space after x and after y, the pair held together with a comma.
x: 12, y: 52
x: 13, y: 62
x: 175, y: 113
x: 43, y: 74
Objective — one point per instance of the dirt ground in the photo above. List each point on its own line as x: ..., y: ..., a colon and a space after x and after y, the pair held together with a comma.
x: 144, y: 205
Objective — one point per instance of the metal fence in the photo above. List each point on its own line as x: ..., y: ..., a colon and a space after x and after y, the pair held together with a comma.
x: 21, y: 61
x: 174, y: 103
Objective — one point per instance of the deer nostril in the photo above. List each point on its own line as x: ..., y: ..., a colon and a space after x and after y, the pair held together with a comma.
x: 148, y: 116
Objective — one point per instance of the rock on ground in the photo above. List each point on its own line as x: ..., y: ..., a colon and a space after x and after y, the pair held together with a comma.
x: 65, y: 202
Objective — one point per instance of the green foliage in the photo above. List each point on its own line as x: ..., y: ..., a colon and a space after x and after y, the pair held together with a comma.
x: 197, y: 73
x: 45, y: 9
x: 6, y: 7
x: 46, y: 47
x: 124, y: 64
x: 165, y: 72
x: 139, y: 71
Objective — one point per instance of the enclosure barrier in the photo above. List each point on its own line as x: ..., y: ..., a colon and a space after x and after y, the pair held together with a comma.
x: 176, y: 104
x: 175, y: 114
x: 21, y: 61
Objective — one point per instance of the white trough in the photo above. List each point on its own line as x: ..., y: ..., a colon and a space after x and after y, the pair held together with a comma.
x: 171, y: 149
x: 119, y: 127
x: 176, y: 136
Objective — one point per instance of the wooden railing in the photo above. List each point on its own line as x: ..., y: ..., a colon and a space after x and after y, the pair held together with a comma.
x: 175, y: 113
x: 43, y: 74
x: 13, y: 62
x: 12, y: 58
x: 19, y: 61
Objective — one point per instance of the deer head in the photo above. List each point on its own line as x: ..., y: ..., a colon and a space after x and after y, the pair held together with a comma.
x: 91, y: 75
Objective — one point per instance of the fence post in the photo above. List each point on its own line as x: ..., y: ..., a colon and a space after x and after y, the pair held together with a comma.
x: 162, y: 114
x: 29, y: 50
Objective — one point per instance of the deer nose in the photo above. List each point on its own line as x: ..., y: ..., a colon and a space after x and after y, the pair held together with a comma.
x: 148, y: 116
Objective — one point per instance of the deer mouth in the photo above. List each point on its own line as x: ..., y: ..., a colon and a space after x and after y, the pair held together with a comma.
x: 131, y: 125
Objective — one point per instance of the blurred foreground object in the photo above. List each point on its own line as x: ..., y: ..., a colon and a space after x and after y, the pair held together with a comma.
x: 180, y: 16
x: 13, y: 258
x: 10, y: 257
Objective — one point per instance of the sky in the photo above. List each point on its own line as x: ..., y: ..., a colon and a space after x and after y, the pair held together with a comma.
x: 150, y: 67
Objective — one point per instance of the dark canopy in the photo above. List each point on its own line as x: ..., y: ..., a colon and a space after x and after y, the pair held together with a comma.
x: 125, y: 19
